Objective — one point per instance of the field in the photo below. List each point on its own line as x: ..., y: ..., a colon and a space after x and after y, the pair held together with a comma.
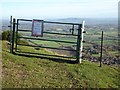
x: 92, y: 39
x: 31, y: 72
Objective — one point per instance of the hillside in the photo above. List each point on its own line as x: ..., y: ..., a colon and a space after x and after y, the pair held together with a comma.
x: 26, y: 72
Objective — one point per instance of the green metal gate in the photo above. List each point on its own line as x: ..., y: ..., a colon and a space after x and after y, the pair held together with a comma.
x: 76, y: 33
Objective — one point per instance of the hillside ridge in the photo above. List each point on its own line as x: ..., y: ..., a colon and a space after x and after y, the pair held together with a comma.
x: 28, y: 72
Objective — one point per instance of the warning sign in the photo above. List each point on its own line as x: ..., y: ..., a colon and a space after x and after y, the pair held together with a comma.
x: 37, y: 28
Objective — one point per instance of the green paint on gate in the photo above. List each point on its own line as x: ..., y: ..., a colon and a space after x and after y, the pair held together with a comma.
x: 77, y: 43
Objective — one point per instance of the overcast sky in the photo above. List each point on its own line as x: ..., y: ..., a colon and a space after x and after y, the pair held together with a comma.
x: 49, y: 9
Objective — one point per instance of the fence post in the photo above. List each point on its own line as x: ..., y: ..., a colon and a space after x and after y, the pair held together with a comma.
x: 13, y: 35
x: 10, y: 34
x: 101, y: 50
x: 79, y: 43
x: 82, y: 35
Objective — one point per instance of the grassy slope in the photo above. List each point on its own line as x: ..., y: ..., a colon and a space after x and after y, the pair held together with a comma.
x: 35, y: 72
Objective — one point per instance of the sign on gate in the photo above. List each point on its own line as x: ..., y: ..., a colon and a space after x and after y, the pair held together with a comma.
x: 37, y: 28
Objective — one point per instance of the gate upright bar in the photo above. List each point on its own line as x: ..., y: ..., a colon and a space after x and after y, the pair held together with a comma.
x: 16, y: 36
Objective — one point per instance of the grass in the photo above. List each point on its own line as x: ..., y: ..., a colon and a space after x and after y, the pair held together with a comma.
x: 96, y: 55
x: 28, y: 72
x: 115, y: 53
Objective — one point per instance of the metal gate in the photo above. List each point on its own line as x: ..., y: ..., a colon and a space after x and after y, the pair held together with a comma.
x: 76, y: 31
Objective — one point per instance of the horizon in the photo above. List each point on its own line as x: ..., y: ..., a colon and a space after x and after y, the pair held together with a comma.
x: 60, y: 9
x: 88, y: 21
x: 102, y: 18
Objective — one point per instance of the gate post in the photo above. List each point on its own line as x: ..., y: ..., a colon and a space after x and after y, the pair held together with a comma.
x: 82, y: 35
x: 13, y: 35
x: 79, y: 43
x: 16, y: 40
x: 10, y: 34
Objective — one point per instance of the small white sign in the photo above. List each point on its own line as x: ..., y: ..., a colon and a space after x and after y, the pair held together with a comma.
x: 37, y: 28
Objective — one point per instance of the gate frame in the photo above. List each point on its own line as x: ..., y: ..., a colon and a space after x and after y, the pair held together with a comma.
x: 79, y: 43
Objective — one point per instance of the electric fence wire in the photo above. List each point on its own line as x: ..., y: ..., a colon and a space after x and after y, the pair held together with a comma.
x: 105, y: 35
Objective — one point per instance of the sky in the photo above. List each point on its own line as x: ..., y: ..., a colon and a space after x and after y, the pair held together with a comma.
x: 53, y: 9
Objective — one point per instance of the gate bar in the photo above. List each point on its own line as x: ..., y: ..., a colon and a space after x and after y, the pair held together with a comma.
x: 61, y: 23
x: 46, y: 47
x: 51, y: 22
x: 47, y: 32
x: 47, y: 40
x: 46, y: 54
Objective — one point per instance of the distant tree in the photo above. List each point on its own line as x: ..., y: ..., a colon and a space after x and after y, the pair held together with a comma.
x: 6, y: 36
